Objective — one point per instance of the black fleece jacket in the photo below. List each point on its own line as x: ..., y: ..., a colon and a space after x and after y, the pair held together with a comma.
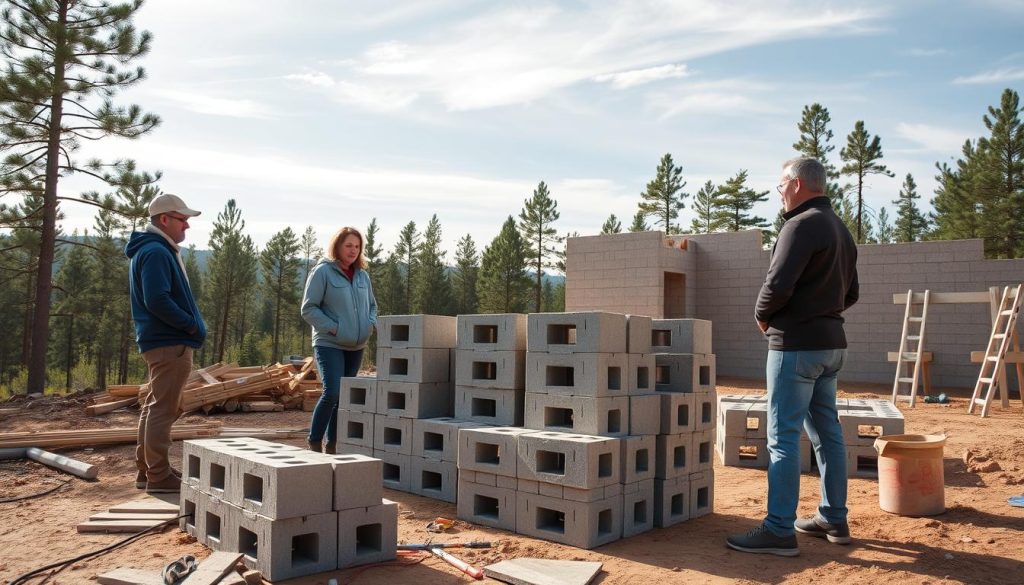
x: 812, y: 279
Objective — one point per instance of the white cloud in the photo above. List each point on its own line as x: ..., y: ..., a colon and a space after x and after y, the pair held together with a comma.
x: 1001, y: 75
x: 627, y: 79
x: 315, y: 78
x: 921, y: 52
x: 215, y: 106
x: 933, y: 138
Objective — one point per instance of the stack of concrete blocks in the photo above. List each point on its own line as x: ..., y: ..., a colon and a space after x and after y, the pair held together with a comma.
x: 685, y: 380
x: 743, y: 433
x: 490, y: 367
x: 290, y: 512
x: 383, y: 415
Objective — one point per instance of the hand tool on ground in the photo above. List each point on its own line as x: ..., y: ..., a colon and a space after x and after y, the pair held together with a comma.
x: 430, y: 545
x: 440, y: 524
x: 458, y: 564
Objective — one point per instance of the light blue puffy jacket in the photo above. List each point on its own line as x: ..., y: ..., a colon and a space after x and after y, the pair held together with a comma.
x: 341, y: 312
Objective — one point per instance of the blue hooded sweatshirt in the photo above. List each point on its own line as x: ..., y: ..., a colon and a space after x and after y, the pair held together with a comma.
x: 163, y: 308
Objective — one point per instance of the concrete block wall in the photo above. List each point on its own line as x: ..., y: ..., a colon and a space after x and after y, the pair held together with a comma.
x: 490, y: 371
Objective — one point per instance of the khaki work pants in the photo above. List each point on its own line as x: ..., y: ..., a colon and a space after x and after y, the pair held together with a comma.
x: 169, y: 369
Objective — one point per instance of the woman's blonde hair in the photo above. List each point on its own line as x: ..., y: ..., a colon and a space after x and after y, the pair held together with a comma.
x: 339, y: 237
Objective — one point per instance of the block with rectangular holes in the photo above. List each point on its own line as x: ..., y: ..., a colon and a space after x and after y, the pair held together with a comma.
x: 416, y: 331
x: 641, y: 368
x: 742, y: 419
x: 392, y: 434
x: 414, y: 399
x: 677, y: 413
x: 396, y: 470
x: 638, y: 458
x: 702, y: 493
x: 290, y: 547
x: 743, y: 452
x: 356, y: 428
x: 489, y: 406
x: 490, y: 450
x: 702, y: 447
x: 487, y: 505
x: 497, y: 332
x: 355, y: 481
x: 865, y: 420
x: 645, y: 414
x: 282, y: 485
x: 490, y: 369
x: 704, y: 410
x: 566, y: 459
x: 681, y: 336
x: 580, y: 524
x: 606, y: 416
x: 412, y: 364
x: 637, y: 507
x: 684, y: 372
x: 671, y: 501
x: 207, y: 463
x: 584, y: 332
x: 367, y: 535
x: 638, y: 334
x: 358, y: 394
x: 673, y: 457
x: 434, y: 479
x: 578, y: 374
x: 438, y: 438
x: 861, y: 461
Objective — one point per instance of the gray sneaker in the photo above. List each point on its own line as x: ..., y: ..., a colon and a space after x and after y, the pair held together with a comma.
x: 762, y: 540
x: 816, y: 526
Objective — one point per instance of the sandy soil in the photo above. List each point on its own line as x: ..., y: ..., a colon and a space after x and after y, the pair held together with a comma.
x: 978, y: 540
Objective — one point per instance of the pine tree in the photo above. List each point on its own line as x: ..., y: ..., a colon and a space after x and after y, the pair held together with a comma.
x: 885, y: 233
x: 639, y: 223
x: 1001, y: 180
x: 735, y: 202
x: 280, y: 264
x: 196, y: 282
x: 464, y: 277
x: 663, y: 198
x: 535, y: 219
x: 311, y: 254
x: 815, y: 139
x: 407, y: 251
x: 706, y: 203
x: 231, y: 273
x: 503, y: 285
x: 432, y: 291
x: 62, y: 55
x: 371, y: 249
x: 956, y: 202
x: 911, y: 224
x: 612, y: 225
x: 861, y: 155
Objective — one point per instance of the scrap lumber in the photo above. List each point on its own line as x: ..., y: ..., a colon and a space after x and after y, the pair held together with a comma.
x: 124, y: 390
x: 94, y: 409
x: 148, y: 505
x: 106, y: 436
x: 109, y: 526
x: 213, y: 568
x: 214, y: 393
x: 262, y: 406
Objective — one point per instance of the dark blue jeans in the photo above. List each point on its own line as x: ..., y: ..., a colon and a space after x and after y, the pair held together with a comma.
x: 333, y: 364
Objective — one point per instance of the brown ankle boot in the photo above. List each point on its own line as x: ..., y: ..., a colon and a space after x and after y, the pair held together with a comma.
x: 317, y: 447
x: 330, y: 448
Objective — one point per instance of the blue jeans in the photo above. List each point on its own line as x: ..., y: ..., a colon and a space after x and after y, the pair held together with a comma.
x: 802, y: 393
x: 333, y: 364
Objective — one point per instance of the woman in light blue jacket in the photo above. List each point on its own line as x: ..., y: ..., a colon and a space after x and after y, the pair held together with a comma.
x: 338, y: 303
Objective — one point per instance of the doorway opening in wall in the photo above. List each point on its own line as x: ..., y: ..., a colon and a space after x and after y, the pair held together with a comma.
x: 675, y: 295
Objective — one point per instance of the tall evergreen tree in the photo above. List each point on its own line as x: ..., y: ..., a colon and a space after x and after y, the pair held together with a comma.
x: 663, y: 198
x: 706, y: 205
x: 371, y: 248
x: 885, y: 233
x: 815, y: 142
x: 407, y: 251
x: 861, y: 155
x: 60, y: 56
x: 612, y: 225
x: 911, y: 224
x: 503, y: 284
x: 196, y: 282
x: 464, y: 277
x: 956, y: 203
x: 280, y: 264
x: 1001, y: 181
x: 639, y: 223
x: 535, y: 220
x: 311, y: 254
x: 432, y: 289
x: 736, y: 200
x: 231, y: 276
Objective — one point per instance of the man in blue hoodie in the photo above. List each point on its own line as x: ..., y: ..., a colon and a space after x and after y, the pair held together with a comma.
x: 168, y: 327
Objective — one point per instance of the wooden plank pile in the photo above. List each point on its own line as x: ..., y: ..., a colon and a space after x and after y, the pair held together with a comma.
x: 229, y: 388
x: 95, y: 437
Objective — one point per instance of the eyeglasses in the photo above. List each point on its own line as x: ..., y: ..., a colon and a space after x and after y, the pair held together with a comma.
x: 181, y: 218
x: 782, y: 185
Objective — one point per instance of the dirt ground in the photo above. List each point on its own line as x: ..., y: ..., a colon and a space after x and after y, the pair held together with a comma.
x: 977, y: 540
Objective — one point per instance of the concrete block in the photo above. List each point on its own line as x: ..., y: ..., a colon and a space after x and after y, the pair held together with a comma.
x: 416, y: 331
x: 502, y: 481
x: 580, y: 524
x: 580, y: 495
x: 491, y: 406
x: 645, y: 414
x: 606, y: 416
x: 434, y: 479
x: 392, y: 434
x: 677, y: 413
x: 499, y: 332
x: 356, y: 482
x: 684, y: 372
x: 291, y: 547
x: 638, y: 333
x: 367, y: 535
x: 585, y: 332
x: 861, y: 427
x: 283, y: 485
x: 487, y: 505
x: 358, y: 394
x: 412, y: 365
x: 414, y: 400
x: 861, y: 462
x: 490, y: 450
x: 490, y: 369
x: 673, y: 456
x: 200, y: 470
x: 641, y: 369
x: 216, y: 526
x: 704, y: 411
x: 438, y: 438
x: 356, y: 428
x: 742, y: 452
x: 671, y: 501
x: 681, y: 336
x: 189, y: 510
x: 638, y: 458
x: 580, y: 461
x: 702, y: 493
x: 396, y: 470
x: 743, y: 419
x: 637, y: 507
x: 578, y: 374
x: 346, y: 449
x: 526, y: 485
x: 702, y: 447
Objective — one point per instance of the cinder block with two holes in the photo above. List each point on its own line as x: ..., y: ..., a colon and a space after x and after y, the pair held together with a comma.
x: 684, y: 372
x: 490, y: 450
x: 355, y: 481
x: 286, y: 548
x: 580, y: 524
x: 413, y: 399
x: 497, y: 332
x: 438, y: 438
x: 702, y: 493
x: 367, y: 535
x: 396, y: 470
x: 490, y: 369
x: 641, y: 368
x: 282, y: 485
x: 211, y: 519
x: 489, y: 406
x: 638, y: 334
x: 673, y: 456
x: 638, y: 458
x: 645, y: 414
x: 569, y: 460
x: 207, y: 464
x: 392, y: 434
x: 434, y: 479
x: 487, y: 505
x: 578, y: 374
x: 584, y: 332
x: 671, y: 501
x: 608, y: 416
x: 358, y: 394
x: 677, y: 413
x: 681, y: 336
x: 863, y: 423
x: 416, y: 331
x: 412, y: 364
x: 356, y: 428
x: 637, y: 507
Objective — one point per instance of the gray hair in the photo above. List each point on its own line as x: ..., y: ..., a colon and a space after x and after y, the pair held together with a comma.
x: 807, y: 169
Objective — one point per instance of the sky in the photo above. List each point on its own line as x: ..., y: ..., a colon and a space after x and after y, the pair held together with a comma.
x: 330, y: 113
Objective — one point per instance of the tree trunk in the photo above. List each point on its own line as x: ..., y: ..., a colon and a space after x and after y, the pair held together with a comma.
x: 26, y: 331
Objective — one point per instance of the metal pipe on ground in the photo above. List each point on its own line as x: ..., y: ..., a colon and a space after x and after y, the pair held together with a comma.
x: 61, y: 462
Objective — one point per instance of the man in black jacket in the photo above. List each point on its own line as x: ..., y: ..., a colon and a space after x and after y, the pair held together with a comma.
x: 812, y: 279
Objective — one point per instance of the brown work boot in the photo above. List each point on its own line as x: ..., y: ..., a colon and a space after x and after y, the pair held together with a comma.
x: 140, y: 479
x: 168, y: 485
x: 316, y: 447
x: 331, y: 448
